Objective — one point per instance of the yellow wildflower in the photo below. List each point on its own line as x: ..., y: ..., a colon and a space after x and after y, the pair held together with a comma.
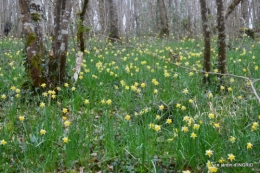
x: 3, y: 142
x: 64, y: 110
x: 249, y: 145
x: 127, y: 117
x: 231, y: 157
x: 21, y: 118
x: 209, y: 153
x: 161, y: 107
x: 42, y: 104
x: 109, y: 101
x: 67, y: 123
x: 157, y: 128
x: 42, y: 132
x: 193, y: 135
x: 169, y: 121
x: 185, y: 129
x: 65, y: 139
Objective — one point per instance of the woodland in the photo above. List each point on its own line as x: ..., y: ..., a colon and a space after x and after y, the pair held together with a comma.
x: 161, y: 86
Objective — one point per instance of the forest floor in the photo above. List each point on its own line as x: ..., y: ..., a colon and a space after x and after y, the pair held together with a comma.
x: 134, y: 109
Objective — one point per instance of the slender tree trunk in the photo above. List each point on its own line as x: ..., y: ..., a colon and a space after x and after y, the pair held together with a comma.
x: 136, y: 22
x: 49, y: 7
x: 206, y: 34
x: 33, y: 29
x: 57, y: 64
x: 190, y: 3
x: 152, y: 25
x: 221, y: 37
x: 80, y: 33
x: 113, y: 21
x: 102, y: 16
x: 231, y: 7
x: 176, y: 18
x: 1, y: 18
x: 164, y: 32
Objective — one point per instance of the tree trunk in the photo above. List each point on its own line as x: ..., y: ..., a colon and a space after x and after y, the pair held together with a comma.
x: 206, y: 34
x: 256, y: 15
x: 221, y: 37
x: 190, y: 3
x: 231, y: 7
x: 33, y: 29
x: 81, y: 28
x: 113, y: 22
x: 164, y: 32
x: 57, y: 72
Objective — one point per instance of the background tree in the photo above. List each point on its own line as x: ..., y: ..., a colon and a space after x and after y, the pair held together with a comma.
x: 113, y: 21
x: 245, y: 12
x: 164, y: 31
x: 81, y: 28
x: 206, y: 35
x: 231, y: 7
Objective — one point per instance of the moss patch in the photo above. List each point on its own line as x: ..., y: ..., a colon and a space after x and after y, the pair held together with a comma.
x: 30, y: 39
x: 36, y: 17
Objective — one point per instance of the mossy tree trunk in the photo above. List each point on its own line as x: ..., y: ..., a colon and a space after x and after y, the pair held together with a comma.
x: 164, y: 31
x: 221, y: 37
x: 57, y: 65
x: 81, y: 28
x: 206, y: 35
x: 33, y: 29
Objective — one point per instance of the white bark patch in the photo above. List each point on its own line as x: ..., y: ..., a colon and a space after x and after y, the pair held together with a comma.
x: 59, y: 37
x: 62, y: 47
x: 64, y: 32
x: 28, y: 26
x: 79, y: 60
x: 34, y: 52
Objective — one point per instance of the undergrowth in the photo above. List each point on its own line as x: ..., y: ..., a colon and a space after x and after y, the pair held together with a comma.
x: 133, y: 109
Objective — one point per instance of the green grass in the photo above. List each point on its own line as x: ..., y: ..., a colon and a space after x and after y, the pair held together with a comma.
x: 122, y: 82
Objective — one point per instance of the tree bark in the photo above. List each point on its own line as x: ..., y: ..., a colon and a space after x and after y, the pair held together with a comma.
x: 221, y: 37
x: 206, y: 35
x: 164, y: 31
